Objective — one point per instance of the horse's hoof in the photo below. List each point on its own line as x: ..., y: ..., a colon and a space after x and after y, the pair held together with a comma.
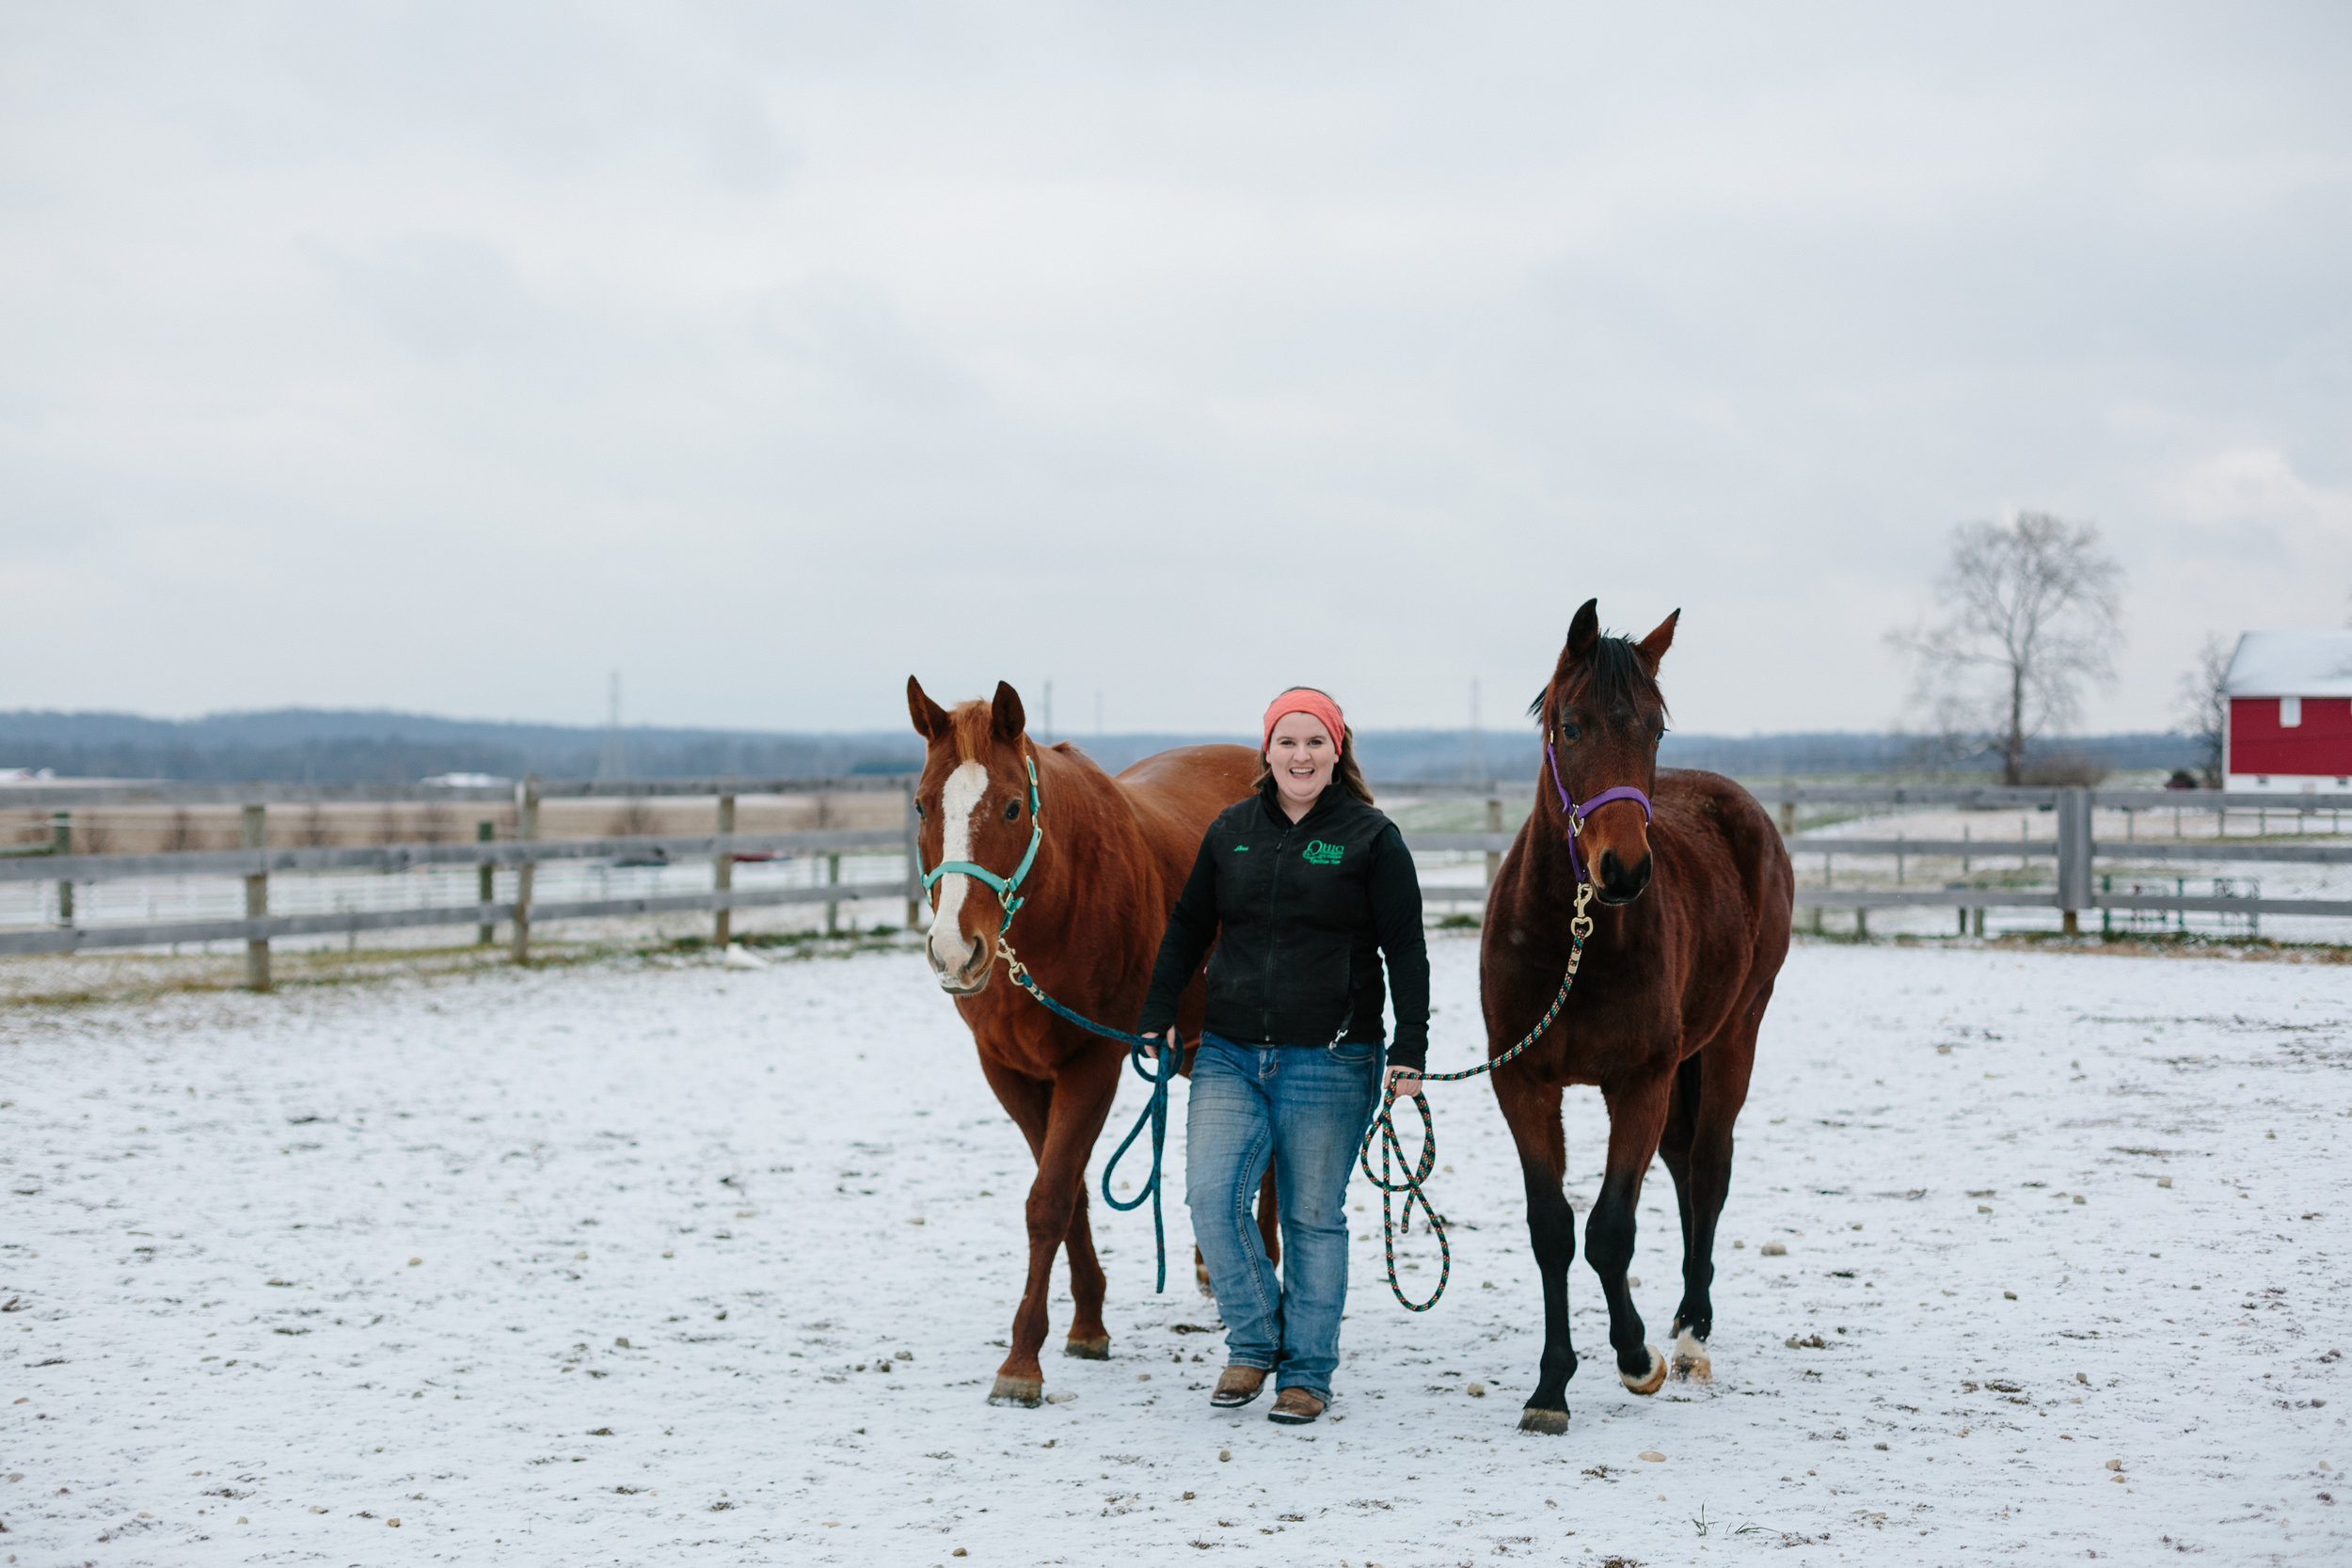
x: 1552, y: 1423
x: 1651, y: 1380
x: 1017, y: 1393
x: 1096, y: 1349
x: 1690, y: 1360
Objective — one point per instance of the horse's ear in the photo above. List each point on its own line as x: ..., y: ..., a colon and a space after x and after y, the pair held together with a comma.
x: 1005, y: 715
x: 1652, y: 648
x: 930, y: 720
x: 1583, y: 631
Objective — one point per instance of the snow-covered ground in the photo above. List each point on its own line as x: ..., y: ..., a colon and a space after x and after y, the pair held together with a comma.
x: 652, y: 1263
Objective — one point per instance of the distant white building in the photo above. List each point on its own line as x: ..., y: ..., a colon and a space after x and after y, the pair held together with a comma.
x: 2290, y: 712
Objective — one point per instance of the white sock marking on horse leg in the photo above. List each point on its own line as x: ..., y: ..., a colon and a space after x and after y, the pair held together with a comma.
x: 1649, y: 1382
x: 1690, y: 1359
x: 957, y: 800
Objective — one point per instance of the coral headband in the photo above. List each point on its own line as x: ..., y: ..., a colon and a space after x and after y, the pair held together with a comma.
x: 1300, y: 699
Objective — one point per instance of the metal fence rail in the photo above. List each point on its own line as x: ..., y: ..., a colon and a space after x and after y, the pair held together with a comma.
x: 2073, y: 848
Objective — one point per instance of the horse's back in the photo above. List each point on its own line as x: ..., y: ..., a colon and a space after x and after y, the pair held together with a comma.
x: 1177, y: 792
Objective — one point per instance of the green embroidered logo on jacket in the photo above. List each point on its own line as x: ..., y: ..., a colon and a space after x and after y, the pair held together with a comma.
x: 1319, y: 853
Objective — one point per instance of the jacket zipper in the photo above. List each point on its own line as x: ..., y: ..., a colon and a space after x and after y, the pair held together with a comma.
x: 1265, y: 990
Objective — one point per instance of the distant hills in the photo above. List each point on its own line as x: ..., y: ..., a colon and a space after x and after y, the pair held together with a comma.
x: 326, y: 746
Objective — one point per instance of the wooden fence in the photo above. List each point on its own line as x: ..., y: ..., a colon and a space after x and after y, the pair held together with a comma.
x: 2071, y: 850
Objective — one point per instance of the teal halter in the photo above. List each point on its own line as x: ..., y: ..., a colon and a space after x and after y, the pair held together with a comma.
x: 1005, y: 887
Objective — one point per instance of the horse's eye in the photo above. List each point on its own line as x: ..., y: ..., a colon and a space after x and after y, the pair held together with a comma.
x: 1013, y: 811
x: 1569, y: 730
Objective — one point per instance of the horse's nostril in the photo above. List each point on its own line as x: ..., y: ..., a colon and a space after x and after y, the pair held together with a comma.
x: 1619, y: 883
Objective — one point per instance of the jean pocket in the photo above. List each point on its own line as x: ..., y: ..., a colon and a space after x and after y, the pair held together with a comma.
x: 1358, y: 1054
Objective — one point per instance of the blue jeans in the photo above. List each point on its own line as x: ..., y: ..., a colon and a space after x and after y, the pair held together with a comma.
x: 1304, y: 1107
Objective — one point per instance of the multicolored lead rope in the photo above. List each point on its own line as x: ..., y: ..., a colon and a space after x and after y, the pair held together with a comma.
x: 1411, y: 1174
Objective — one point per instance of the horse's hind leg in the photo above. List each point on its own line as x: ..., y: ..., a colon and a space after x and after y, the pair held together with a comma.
x: 1637, y: 1116
x: 1269, y: 1217
x: 1722, y: 1088
x: 1689, y: 1359
x: 1533, y: 1111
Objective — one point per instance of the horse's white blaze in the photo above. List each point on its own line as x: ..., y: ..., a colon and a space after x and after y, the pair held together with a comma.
x: 965, y: 788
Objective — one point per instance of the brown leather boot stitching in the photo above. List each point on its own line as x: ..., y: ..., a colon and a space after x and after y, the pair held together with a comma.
x: 1236, y: 1386
x: 1294, y: 1408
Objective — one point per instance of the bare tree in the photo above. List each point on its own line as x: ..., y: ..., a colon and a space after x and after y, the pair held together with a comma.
x: 2028, y: 614
x: 2205, y: 712
x: 633, y: 818
x: 314, y: 832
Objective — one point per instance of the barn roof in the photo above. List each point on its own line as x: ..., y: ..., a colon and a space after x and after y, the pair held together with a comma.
x: 2290, y: 664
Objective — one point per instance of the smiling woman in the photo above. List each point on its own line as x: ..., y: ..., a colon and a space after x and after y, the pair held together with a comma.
x: 1303, y: 889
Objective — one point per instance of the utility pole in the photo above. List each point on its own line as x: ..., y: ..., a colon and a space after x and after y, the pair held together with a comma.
x: 1478, y: 739
x: 1049, y: 713
x: 614, y: 765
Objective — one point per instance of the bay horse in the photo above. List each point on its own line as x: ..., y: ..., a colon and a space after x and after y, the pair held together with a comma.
x: 1693, y: 898
x: 1092, y: 865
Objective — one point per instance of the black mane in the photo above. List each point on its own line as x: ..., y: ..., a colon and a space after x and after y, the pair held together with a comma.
x: 1612, y: 674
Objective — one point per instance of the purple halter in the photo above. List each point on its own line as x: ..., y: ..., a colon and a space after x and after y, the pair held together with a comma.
x: 1579, y: 810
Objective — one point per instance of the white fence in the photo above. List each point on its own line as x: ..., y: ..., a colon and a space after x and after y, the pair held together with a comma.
x: 523, y: 881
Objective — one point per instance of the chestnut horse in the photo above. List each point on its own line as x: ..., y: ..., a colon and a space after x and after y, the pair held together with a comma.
x: 1093, y: 877
x: 1694, y: 897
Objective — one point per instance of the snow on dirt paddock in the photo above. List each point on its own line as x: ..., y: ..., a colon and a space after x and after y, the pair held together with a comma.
x: 645, y: 1264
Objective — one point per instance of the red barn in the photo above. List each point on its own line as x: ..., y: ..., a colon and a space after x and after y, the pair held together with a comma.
x: 2290, y: 700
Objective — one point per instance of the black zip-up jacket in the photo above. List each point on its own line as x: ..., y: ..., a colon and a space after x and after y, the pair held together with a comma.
x: 1301, y: 914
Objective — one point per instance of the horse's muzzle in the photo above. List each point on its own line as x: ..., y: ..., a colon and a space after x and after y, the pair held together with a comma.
x: 968, y: 978
x: 1618, y: 884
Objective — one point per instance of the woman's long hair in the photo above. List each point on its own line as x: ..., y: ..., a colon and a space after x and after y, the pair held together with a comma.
x: 1350, y: 777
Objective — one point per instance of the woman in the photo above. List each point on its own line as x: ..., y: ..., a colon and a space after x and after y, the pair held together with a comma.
x: 1304, y: 888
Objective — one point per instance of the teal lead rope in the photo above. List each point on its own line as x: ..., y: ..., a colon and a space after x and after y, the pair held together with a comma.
x: 1154, y: 1115
x: 1410, y: 1174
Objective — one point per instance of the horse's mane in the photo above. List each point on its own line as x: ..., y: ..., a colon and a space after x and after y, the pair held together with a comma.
x: 971, y: 721
x: 1612, y: 674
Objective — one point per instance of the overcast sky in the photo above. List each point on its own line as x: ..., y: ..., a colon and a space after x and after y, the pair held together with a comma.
x: 445, y: 358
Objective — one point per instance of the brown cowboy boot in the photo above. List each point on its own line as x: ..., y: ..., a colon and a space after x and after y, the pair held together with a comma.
x: 1236, y: 1386
x: 1294, y: 1408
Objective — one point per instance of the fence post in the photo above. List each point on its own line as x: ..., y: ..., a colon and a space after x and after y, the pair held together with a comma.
x: 526, y: 830
x: 253, y: 833
x: 486, y: 883
x: 914, y: 865
x: 1789, y: 819
x: 2073, y: 857
x: 723, y: 877
x: 62, y: 843
x: 833, y: 911
x: 1494, y: 825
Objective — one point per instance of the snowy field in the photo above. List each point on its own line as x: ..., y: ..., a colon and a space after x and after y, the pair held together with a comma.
x: 652, y: 1263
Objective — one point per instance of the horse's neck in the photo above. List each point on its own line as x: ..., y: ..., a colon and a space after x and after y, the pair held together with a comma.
x: 1088, y: 823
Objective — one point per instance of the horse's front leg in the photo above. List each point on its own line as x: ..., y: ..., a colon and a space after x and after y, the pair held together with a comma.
x: 1089, y: 1338
x: 1637, y: 1116
x: 1080, y: 1099
x: 1533, y: 1111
